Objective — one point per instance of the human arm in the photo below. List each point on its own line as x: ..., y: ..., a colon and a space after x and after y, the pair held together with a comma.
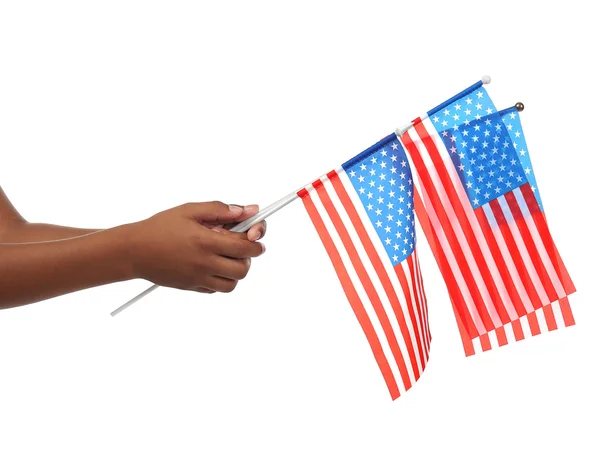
x: 15, y: 229
x: 177, y: 248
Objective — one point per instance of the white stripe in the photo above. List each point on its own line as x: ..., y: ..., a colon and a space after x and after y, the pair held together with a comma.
x: 356, y: 282
x: 542, y: 320
x: 522, y: 248
x: 558, y: 315
x: 364, y: 257
x: 510, y: 333
x: 459, y: 234
x: 535, y: 234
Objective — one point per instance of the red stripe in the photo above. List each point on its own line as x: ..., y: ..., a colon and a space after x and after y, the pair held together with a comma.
x: 351, y: 294
x: 485, y: 342
x: 565, y: 308
x: 501, y: 336
x: 518, y: 330
x: 465, y: 224
x: 500, y: 261
x: 381, y: 273
x: 534, y: 325
x: 515, y: 254
x: 549, y: 316
x: 542, y: 226
x: 453, y: 288
x: 366, y: 282
x: 536, y: 259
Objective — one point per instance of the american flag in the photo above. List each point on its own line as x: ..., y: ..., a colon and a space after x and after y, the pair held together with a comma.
x: 363, y: 213
x: 476, y: 202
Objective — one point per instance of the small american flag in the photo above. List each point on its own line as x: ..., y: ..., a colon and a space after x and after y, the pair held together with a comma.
x: 363, y: 213
x: 476, y: 202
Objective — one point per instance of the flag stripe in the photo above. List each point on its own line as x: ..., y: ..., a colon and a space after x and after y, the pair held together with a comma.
x: 549, y: 316
x: 351, y: 294
x: 410, y: 334
x: 567, y: 314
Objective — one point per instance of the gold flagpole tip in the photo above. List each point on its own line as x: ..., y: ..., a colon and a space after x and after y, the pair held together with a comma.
x: 519, y: 106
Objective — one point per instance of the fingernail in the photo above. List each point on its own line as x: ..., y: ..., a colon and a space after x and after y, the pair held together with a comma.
x: 251, y: 207
x: 217, y: 229
x: 264, y: 248
x: 236, y: 208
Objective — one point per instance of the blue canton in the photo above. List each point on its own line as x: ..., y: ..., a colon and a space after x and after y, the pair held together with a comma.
x: 382, y: 179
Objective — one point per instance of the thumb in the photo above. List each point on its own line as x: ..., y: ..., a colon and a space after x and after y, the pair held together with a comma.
x: 213, y: 212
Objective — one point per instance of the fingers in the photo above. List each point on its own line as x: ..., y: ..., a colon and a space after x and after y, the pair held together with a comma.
x: 233, y: 269
x: 253, y: 234
x: 247, y: 212
x: 213, y: 212
x: 258, y: 231
x: 220, y: 284
x: 231, y: 245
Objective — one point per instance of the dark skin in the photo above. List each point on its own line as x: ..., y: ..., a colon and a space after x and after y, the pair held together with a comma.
x: 187, y: 247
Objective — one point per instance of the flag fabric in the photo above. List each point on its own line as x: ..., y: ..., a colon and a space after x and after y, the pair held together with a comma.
x: 363, y: 213
x: 477, y: 201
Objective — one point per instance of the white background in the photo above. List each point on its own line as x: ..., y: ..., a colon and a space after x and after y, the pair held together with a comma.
x: 112, y: 111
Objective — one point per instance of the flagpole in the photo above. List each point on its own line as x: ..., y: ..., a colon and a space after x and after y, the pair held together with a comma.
x: 281, y: 203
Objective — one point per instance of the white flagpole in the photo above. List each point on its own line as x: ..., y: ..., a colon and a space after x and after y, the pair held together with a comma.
x: 281, y: 203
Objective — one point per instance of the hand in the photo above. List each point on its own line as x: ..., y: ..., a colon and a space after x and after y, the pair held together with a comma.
x: 189, y: 247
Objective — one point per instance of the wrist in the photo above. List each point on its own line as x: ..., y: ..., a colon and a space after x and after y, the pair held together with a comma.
x: 123, y: 241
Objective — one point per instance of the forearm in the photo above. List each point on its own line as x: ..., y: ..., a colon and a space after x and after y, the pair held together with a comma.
x: 36, y: 271
x: 24, y: 232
